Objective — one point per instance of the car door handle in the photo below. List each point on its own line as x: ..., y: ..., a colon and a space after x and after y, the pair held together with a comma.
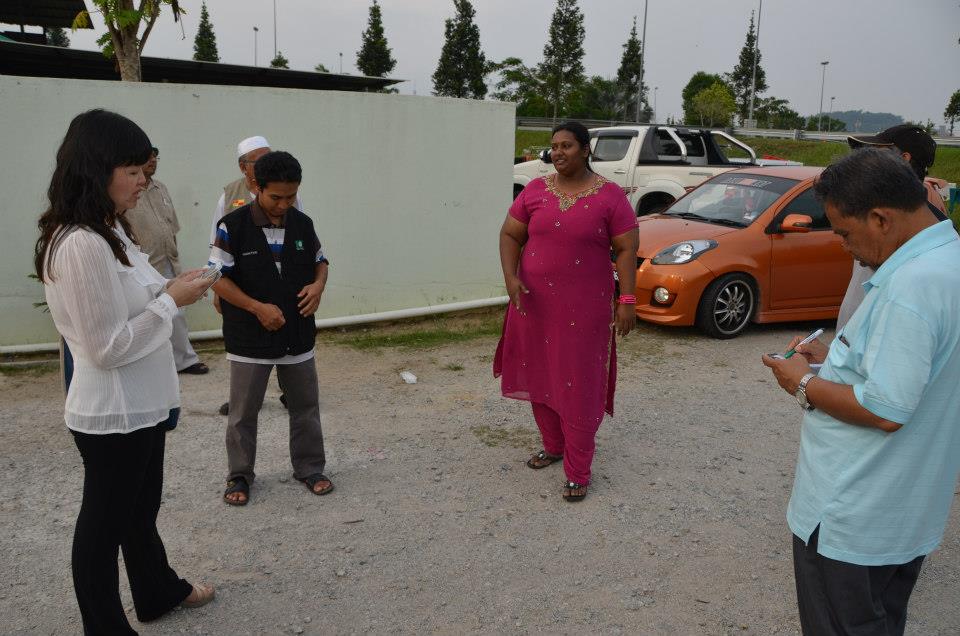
x: 619, y: 172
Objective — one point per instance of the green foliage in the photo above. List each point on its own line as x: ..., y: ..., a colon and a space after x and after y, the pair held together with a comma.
x: 714, y: 106
x: 280, y: 61
x: 741, y: 79
x: 374, y: 58
x: 462, y: 65
x: 57, y: 37
x: 772, y: 112
x: 700, y: 81
x: 205, y: 43
x: 628, y: 75
x: 826, y: 123
x: 320, y: 68
x: 561, y: 71
x: 596, y: 98
x: 520, y: 84
x: 952, y: 112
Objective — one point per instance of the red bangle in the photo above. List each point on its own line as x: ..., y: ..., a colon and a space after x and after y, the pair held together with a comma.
x: 627, y: 300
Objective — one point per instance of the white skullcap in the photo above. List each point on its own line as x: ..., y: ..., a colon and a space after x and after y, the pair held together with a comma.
x: 250, y: 144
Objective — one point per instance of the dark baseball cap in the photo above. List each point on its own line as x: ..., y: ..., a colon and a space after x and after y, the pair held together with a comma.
x: 907, y: 137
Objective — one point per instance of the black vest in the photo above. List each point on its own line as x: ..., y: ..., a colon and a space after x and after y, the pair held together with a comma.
x: 255, y: 273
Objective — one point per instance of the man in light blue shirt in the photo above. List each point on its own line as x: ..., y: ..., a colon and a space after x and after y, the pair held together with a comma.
x: 880, y: 442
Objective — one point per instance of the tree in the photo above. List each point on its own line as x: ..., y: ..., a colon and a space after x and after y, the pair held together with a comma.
x: 562, y: 68
x: 700, y: 81
x: 826, y: 123
x: 121, y: 41
x: 280, y: 61
x: 205, y: 43
x: 952, y: 112
x: 596, y: 98
x: 57, y: 37
x: 320, y: 68
x: 741, y: 79
x: 373, y: 58
x: 628, y: 75
x: 462, y: 66
x: 714, y: 105
x: 520, y: 84
x: 772, y: 112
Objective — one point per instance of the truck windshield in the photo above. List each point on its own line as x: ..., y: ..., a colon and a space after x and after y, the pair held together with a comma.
x: 731, y: 199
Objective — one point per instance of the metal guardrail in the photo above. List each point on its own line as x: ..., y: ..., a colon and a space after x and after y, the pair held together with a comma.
x: 546, y: 123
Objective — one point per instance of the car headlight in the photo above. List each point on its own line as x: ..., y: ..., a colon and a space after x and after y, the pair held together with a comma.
x: 683, y: 252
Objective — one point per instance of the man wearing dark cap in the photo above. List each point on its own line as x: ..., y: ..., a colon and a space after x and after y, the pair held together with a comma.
x: 917, y: 148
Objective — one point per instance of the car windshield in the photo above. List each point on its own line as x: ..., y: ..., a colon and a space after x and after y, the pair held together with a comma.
x: 731, y: 199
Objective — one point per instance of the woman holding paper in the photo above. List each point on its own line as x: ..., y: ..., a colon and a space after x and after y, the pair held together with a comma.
x: 115, y: 313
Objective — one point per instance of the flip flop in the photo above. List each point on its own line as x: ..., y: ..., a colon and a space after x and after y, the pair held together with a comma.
x: 543, y: 457
x: 312, y: 480
x: 570, y: 486
x: 237, y: 484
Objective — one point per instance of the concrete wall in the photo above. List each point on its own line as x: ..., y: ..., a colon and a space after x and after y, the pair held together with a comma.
x: 407, y: 193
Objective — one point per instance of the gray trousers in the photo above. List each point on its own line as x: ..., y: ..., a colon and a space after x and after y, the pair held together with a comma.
x: 248, y: 383
x: 183, y: 353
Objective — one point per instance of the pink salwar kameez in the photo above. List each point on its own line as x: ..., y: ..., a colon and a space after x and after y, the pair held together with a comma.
x: 558, y: 351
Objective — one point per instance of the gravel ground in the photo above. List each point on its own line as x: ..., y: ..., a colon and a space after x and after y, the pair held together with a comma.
x: 436, y: 525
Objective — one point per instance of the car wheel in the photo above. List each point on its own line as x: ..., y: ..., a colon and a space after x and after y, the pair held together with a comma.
x: 727, y: 306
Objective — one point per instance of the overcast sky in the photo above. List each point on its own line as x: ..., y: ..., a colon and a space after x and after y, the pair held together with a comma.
x: 898, y: 56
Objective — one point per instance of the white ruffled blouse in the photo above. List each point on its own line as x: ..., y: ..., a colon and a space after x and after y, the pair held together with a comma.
x: 117, y: 321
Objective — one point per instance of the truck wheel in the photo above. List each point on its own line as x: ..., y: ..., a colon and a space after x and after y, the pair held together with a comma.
x: 517, y: 189
x: 654, y: 203
x: 727, y: 306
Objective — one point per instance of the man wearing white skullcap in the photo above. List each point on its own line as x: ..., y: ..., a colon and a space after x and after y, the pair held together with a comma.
x: 238, y: 193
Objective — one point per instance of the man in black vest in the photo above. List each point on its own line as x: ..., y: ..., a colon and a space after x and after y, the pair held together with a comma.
x: 274, y: 273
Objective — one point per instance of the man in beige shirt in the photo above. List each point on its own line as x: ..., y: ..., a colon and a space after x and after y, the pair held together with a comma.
x: 155, y: 226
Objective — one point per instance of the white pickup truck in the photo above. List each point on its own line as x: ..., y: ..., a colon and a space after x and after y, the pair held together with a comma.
x: 655, y: 165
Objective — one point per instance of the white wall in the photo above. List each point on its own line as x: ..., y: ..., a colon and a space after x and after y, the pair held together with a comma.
x: 407, y: 193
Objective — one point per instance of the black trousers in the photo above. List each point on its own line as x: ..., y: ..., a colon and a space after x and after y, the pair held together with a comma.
x: 122, y: 486
x: 842, y: 599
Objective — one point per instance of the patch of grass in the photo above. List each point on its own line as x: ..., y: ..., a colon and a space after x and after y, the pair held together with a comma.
x: 34, y: 370
x: 453, y: 366
x: 424, y: 333
x: 531, y: 140
x: 516, y: 437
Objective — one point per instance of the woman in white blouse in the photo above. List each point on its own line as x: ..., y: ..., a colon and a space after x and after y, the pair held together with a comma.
x: 114, y: 311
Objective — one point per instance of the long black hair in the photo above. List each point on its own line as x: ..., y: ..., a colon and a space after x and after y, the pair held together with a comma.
x: 96, y: 142
x: 580, y: 133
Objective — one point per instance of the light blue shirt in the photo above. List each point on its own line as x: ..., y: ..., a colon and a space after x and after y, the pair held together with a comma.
x: 884, y: 498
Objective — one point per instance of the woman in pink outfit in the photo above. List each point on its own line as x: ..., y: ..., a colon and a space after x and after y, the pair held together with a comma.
x: 558, y: 348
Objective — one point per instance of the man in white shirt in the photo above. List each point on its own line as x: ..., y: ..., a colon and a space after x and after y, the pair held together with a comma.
x: 155, y: 225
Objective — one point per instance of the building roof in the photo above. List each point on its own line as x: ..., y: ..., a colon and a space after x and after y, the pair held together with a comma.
x: 45, y: 13
x: 31, y: 60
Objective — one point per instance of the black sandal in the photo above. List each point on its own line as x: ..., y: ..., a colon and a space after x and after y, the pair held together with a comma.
x: 235, y: 485
x: 543, y: 456
x: 570, y: 486
x: 312, y: 480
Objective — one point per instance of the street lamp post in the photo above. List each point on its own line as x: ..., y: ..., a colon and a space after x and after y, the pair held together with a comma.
x: 274, y: 29
x: 756, y: 52
x: 643, y: 58
x: 830, y: 116
x: 341, y: 62
x: 654, y: 104
x: 823, y: 79
x: 255, y: 31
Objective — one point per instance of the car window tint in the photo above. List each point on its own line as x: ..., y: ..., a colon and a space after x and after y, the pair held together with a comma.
x: 694, y: 145
x: 666, y: 145
x: 611, y: 148
x: 807, y: 203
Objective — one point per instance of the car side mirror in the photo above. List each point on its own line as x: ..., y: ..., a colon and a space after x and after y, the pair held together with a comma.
x: 545, y: 156
x: 797, y: 223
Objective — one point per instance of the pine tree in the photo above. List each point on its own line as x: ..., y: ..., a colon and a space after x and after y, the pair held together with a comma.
x: 373, y: 58
x: 562, y: 68
x: 57, y: 37
x: 628, y: 75
x: 741, y: 79
x: 205, y: 43
x: 462, y: 66
x: 280, y: 61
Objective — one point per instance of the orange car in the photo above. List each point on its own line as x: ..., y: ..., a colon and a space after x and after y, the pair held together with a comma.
x: 750, y: 244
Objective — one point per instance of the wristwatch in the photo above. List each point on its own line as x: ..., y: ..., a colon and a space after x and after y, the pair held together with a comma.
x: 801, y: 393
